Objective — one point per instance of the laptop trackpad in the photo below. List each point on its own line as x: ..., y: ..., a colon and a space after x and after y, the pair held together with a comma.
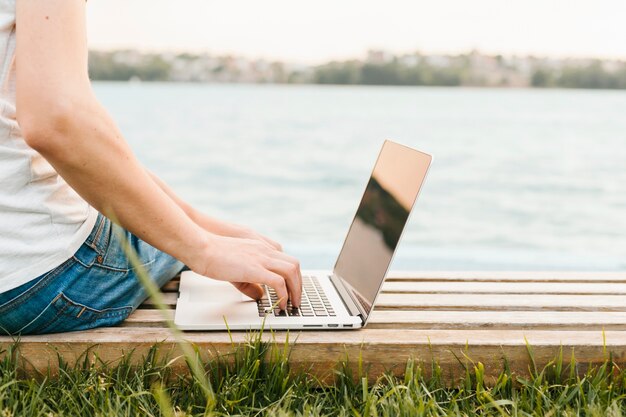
x: 207, y: 290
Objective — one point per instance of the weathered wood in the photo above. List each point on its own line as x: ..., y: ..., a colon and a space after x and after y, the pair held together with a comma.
x: 171, y: 286
x: 474, y: 320
x: 319, y: 352
x: 505, y: 276
x: 516, y: 276
x: 499, y: 320
x: 571, y: 283
x: 511, y: 302
x: 506, y: 287
x: 423, y: 315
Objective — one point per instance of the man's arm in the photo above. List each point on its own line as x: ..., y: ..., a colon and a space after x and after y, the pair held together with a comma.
x: 60, y: 117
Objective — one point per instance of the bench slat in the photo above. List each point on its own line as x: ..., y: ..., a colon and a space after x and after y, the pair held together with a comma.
x: 488, y: 287
x: 507, y: 276
x: 436, y: 319
x: 384, y: 337
x: 439, y: 287
x: 512, y: 302
x: 318, y: 352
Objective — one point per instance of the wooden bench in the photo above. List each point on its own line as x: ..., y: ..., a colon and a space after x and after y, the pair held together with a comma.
x: 445, y: 316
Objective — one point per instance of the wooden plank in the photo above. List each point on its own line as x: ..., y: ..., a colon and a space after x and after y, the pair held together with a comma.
x: 481, y: 287
x: 518, y: 276
x: 171, y: 286
x: 169, y: 299
x: 318, y: 352
x: 146, y: 318
x: 512, y: 302
x: 499, y: 320
x: 487, y: 287
x: 435, y: 319
x: 530, y: 276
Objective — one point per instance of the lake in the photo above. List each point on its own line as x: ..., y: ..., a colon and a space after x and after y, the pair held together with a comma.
x: 521, y: 179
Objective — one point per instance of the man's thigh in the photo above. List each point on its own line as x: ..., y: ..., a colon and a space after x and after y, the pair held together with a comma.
x: 97, y: 287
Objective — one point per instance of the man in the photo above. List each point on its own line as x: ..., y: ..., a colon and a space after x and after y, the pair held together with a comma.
x: 63, y: 161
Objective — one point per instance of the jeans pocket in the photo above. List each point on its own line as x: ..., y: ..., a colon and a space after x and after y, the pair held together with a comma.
x: 20, y: 305
x: 105, y: 250
x: 65, y: 315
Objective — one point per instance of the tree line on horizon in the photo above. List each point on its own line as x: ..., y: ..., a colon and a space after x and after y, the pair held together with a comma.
x: 590, y: 76
x: 470, y: 69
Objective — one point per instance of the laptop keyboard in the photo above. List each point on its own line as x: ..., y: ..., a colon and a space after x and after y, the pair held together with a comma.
x: 314, y: 302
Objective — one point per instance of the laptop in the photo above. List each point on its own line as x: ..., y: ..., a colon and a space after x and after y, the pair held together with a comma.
x: 339, y: 299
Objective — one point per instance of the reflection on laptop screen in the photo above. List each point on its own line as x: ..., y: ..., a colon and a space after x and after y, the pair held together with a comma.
x: 382, y: 214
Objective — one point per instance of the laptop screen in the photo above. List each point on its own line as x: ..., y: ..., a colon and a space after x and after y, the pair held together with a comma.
x: 379, y: 221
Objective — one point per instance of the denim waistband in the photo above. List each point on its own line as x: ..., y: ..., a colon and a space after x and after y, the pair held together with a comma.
x: 98, y: 239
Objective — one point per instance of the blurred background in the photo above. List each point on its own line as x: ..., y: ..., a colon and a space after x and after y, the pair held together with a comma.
x: 271, y: 114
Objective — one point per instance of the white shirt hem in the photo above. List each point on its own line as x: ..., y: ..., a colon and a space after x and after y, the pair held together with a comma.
x: 22, y: 276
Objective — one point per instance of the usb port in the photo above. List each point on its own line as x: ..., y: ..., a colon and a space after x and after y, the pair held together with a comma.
x: 348, y: 325
x: 333, y: 325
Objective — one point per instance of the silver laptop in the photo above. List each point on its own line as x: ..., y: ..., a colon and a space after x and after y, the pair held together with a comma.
x: 339, y: 299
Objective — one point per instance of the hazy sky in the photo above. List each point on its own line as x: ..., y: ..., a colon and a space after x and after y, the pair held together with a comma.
x: 313, y: 31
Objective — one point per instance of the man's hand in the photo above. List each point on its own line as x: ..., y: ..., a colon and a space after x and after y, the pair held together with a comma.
x: 250, y: 262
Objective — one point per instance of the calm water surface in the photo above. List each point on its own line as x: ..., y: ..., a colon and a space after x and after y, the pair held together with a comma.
x: 522, y: 179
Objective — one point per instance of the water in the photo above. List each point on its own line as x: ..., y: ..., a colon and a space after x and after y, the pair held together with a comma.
x: 521, y: 180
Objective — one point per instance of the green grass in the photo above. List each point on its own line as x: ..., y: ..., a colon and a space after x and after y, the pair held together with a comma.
x: 256, y: 380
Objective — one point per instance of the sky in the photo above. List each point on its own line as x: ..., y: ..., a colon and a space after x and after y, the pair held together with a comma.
x: 317, y: 31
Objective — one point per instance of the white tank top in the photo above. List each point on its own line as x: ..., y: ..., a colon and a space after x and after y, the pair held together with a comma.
x: 43, y: 221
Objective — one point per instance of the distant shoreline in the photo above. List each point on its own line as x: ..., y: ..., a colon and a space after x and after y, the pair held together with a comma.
x: 378, y: 68
x: 374, y: 86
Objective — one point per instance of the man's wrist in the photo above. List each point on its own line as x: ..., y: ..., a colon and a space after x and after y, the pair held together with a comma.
x: 197, y: 247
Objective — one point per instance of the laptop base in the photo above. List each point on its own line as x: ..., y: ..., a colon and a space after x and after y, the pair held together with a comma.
x: 208, y: 304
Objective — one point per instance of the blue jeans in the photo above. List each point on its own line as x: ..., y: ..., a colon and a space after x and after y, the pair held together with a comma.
x: 96, y: 287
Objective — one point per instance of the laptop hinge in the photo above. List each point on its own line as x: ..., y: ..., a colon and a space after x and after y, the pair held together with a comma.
x: 346, y: 297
